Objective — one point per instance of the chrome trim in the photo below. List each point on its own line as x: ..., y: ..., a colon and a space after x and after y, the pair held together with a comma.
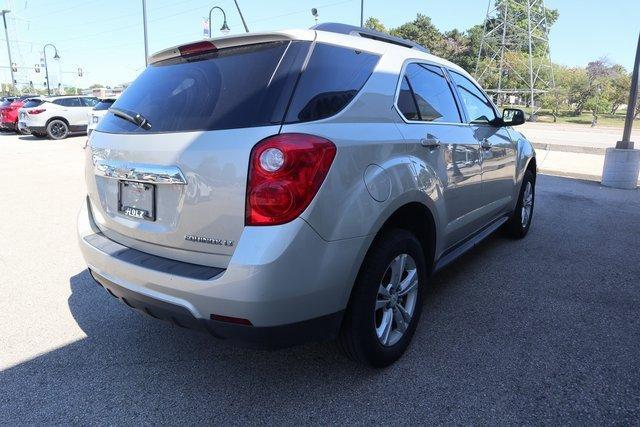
x: 139, y: 172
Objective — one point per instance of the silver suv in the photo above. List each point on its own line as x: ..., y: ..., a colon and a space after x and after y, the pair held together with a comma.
x: 277, y: 188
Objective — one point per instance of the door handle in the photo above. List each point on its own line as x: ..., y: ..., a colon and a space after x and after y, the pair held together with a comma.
x: 486, y: 144
x: 430, y: 142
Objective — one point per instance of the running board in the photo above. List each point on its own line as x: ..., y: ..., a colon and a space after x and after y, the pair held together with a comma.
x: 457, y: 251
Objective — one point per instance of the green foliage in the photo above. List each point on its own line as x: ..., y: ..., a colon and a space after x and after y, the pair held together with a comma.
x: 600, y: 87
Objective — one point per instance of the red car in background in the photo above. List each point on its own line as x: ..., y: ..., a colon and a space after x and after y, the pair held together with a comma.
x: 9, y: 111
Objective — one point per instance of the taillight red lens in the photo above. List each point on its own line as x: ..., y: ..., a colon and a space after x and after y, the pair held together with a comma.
x: 281, y: 195
x: 197, y: 48
x: 37, y: 111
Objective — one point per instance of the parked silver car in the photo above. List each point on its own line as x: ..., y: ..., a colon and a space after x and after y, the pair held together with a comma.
x: 277, y: 188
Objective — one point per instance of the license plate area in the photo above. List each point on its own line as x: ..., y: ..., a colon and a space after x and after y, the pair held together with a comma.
x: 137, y: 200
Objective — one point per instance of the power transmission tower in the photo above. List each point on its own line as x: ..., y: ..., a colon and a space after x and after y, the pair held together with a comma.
x: 514, y: 56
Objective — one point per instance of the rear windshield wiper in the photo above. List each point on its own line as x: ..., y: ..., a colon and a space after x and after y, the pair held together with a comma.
x: 133, y: 117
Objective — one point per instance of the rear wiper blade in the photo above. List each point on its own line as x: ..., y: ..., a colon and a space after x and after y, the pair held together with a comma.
x: 131, y: 116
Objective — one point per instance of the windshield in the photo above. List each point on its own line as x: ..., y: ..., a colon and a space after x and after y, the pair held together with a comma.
x: 231, y: 88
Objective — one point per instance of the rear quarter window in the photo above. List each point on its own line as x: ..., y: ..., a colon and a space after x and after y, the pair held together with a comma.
x: 332, y: 78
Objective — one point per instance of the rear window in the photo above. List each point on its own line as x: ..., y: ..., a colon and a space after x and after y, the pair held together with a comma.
x: 332, y: 78
x: 32, y: 103
x: 6, y: 103
x: 231, y: 88
x: 104, y: 104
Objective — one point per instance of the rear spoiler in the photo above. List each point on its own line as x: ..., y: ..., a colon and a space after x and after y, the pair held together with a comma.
x: 228, y: 41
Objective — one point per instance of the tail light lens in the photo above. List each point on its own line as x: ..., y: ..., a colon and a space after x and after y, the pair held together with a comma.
x: 37, y: 111
x: 285, y: 173
x: 197, y: 48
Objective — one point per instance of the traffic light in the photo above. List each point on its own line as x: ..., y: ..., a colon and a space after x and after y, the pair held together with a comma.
x: 79, y: 72
x: 14, y: 67
x: 37, y: 68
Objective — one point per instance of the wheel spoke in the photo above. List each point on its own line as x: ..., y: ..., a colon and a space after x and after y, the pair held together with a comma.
x: 397, y: 268
x: 409, y: 283
x: 401, y: 321
x: 387, y: 322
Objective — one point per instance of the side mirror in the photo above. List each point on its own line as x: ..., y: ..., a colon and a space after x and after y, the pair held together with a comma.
x: 512, y: 117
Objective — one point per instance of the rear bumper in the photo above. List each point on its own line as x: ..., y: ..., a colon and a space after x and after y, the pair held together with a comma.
x: 36, y: 129
x: 273, y: 337
x: 291, y: 285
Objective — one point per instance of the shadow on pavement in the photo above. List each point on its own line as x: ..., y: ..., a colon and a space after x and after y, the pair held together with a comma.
x: 540, y: 330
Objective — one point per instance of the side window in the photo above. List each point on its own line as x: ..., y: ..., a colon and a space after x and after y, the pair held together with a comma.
x: 407, y: 101
x: 478, y: 107
x: 61, y: 101
x: 431, y: 93
x: 332, y: 78
x: 74, y: 102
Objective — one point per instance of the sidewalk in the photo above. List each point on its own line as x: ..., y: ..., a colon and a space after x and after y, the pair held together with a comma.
x: 574, y: 138
x: 575, y: 151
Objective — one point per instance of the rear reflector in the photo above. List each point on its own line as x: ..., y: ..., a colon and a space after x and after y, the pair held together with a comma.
x: 197, y: 48
x: 229, y: 319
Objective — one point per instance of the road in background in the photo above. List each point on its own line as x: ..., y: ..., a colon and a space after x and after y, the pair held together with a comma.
x: 541, y: 330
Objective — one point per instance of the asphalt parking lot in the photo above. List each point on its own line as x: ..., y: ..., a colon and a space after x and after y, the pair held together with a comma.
x: 544, y: 330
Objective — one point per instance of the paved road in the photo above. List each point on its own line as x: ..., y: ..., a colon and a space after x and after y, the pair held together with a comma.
x: 544, y: 330
x: 574, y: 138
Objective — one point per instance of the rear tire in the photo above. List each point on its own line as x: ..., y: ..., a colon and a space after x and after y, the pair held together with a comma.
x: 57, y: 129
x: 386, y: 300
x: 518, y: 225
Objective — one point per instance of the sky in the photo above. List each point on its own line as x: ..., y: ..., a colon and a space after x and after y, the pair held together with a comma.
x: 105, y: 37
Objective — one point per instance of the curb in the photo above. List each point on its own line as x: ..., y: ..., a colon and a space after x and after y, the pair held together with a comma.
x: 574, y: 175
x: 569, y: 148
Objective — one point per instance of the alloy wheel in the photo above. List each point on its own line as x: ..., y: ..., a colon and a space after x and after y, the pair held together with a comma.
x: 527, y: 205
x: 396, y: 300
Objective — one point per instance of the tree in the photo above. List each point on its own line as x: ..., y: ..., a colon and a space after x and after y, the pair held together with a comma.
x: 618, y: 88
x: 375, y: 24
x: 422, y: 31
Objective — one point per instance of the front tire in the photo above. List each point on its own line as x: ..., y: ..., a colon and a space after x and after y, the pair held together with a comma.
x: 520, y: 221
x: 386, y: 301
x: 57, y: 129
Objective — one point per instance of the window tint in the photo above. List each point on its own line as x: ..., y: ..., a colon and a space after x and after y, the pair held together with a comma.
x: 407, y: 101
x: 431, y: 95
x: 68, y: 102
x: 6, y: 103
x: 478, y: 107
x: 89, y: 102
x: 230, y: 88
x: 104, y: 104
x: 32, y: 103
x: 333, y: 77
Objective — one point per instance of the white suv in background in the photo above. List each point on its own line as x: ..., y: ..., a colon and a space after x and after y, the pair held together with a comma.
x: 56, y: 116
x: 99, y: 111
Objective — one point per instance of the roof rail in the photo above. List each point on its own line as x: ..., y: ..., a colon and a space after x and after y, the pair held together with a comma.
x: 352, y: 30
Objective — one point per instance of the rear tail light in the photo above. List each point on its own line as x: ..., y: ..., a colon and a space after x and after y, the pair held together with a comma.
x: 197, y: 48
x: 37, y: 111
x: 285, y: 173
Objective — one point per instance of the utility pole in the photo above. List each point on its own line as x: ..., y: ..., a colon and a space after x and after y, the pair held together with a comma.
x: 626, y: 143
x: 241, y: 17
x: 361, y: 13
x: 6, y: 36
x: 144, y: 26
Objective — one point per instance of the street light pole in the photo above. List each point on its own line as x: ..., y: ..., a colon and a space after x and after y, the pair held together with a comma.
x: 6, y: 36
x: 224, y: 28
x: 241, y: 17
x: 144, y: 26
x: 626, y: 142
x: 46, y: 67
x: 361, y: 13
